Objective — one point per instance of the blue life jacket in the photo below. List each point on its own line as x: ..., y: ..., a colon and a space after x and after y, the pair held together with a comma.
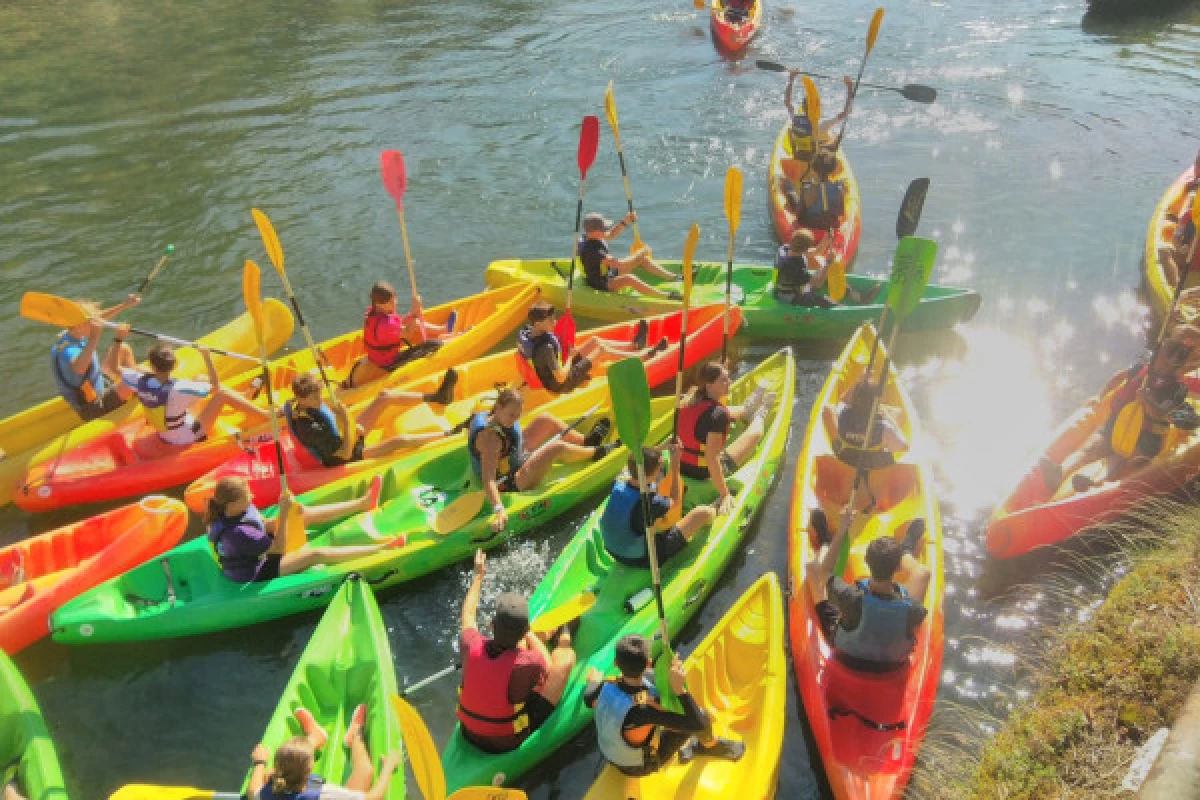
x: 322, y: 417
x: 616, y: 524
x: 511, y: 449
x: 791, y: 271
x: 229, y: 559
x: 826, y: 211
x: 612, y: 706
x: 882, y: 633
x: 311, y: 792
x: 70, y: 383
x: 153, y: 397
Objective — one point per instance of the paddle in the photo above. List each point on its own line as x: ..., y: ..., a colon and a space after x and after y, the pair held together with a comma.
x: 610, y: 110
x: 872, y: 35
x: 145, y: 791
x: 462, y: 510
x: 391, y: 165
x: 589, y: 140
x: 915, y: 92
x: 1127, y: 428
x: 65, y: 313
x: 699, y: 4
x: 162, y: 262
x: 345, y: 422
x: 733, y: 213
x: 427, y: 765
x: 667, y: 487
x: 294, y: 524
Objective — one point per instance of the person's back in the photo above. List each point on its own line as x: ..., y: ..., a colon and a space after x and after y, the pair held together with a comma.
x: 823, y: 202
x: 882, y: 632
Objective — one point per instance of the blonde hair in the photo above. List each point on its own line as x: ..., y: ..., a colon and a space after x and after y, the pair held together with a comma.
x: 229, y: 489
x: 293, y: 764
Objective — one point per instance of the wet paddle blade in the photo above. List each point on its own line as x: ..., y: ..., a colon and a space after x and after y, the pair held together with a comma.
x: 251, y: 280
x: 589, y: 140
x: 873, y: 31
x: 422, y: 755
x: 918, y: 93
x: 1127, y: 429
x: 549, y: 621
x: 564, y: 329
x: 48, y: 308
x: 812, y: 107
x: 793, y: 169
x: 458, y: 512
x: 144, y: 791
x: 391, y: 166
x: 270, y: 239
x: 733, y: 198
x: 911, y: 267
x: 835, y: 278
x: 770, y: 66
x: 610, y: 110
x: 910, y: 208
x: 630, y: 394
x: 689, y: 254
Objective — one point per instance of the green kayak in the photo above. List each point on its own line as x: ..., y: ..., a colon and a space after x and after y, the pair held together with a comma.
x: 763, y: 317
x: 347, y: 661
x: 688, y: 579
x: 193, y: 597
x: 26, y: 751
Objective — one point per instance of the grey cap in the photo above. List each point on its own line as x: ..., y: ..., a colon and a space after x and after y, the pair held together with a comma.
x: 594, y: 221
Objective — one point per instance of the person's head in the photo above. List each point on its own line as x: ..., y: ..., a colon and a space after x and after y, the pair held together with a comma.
x: 92, y: 309
x: 307, y: 390
x: 860, y: 396
x: 293, y: 763
x: 883, y: 558
x: 383, y: 297
x: 508, y: 407
x: 595, y: 225
x: 713, y: 382
x: 801, y: 242
x: 511, y: 622
x: 825, y: 164
x: 230, y: 497
x: 632, y: 656
x: 541, y: 316
x: 651, y: 462
x: 162, y: 358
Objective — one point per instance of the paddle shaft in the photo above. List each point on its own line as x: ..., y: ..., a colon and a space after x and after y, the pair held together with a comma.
x: 317, y: 354
x: 916, y: 92
x: 610, y: 104
x: 575, y: 242
x: 728, y: 299
x: 862, y: 66
x: 162, y: 337
x: 434, y: 678
x: 157, y: 268
x: 652, y: 550
x: 412, y: 273
x: 679, y: 371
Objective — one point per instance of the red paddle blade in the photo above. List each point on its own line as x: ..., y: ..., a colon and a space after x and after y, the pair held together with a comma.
x: 564, y: 330
x: 589, y: 140
x: 391, y: 164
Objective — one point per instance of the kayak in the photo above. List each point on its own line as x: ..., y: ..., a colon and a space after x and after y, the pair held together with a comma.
x: 144, y: 604
x: 131, y: 459
x: 26, y: 743
x: 62, y: 563
x: 738, y: 673
x: 763, y: 316
x: 478, y: 381
x: 1034, y: 515
x: 1159, y: 234
x: 584, y: 565
x: 842, y: 703
x: 27, y: 435
x: 348, y: 661
x: 733, y: 36
x: 846, y: 237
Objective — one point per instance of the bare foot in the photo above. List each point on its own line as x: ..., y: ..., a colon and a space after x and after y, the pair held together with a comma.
x: 308, y: 723
x: 371, y: 498
x: 357, y: 720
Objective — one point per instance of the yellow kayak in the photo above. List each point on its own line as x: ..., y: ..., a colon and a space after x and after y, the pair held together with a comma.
x: 739, y: 675
x: 1158, y: 235
x: 23, y: 434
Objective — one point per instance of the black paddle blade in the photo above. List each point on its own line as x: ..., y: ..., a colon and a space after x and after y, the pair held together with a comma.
x: 910, y: 208
x: 919, y: 93
x: 770, y: 66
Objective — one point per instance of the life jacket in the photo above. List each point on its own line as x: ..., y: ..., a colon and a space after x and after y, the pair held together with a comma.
x: 483, y: 707
x: 322, y: 417
x: 616, y: 524
x: 380, y: 353
x: 791, y: 271
x: 221, y: 527
x: 801, y: 134
x: 691, y: 448
x: 612, y: 706
x: 852, y: 432
x: 1127, y: 392
x: 882, y: 633
x: 527, y: 344
x: 827, y: 210
x: 310, y: 792
x: 510, y: 448
x: 154, y: 396
x: 89, y: 385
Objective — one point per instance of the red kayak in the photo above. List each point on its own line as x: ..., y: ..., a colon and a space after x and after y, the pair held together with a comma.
x: 732, y: 36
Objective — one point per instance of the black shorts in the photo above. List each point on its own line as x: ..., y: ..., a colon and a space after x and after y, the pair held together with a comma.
x: 667, y: 544
x: 269, y: 570
x: 103, y: 405
x: 409, y: 354
x: 538, y: 709
x: 828, y: 616
x: 508, y: 483
x: 804, y: 298
x: 700, y: 473
x: 600, y: 282
x: 337, y: 461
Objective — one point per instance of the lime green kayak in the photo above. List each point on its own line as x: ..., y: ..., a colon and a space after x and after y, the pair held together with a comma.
x: 26, y: 751
x: 184, y: 593
x: 688, y: 579
x: 347, y: 661
x: 763, y: 317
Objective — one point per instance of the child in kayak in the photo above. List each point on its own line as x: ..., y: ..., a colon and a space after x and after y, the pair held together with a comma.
x: 314, y: 425
x: 737, y: 11
x: 623, y: 523
x: 168, y: 400
x: 512, y: 681
x: 93, y: 387
x: 803, y: 141
x: 392, y: 340
x: 607, y: 273
x: 1174, y: 255
x: 704, y: 422
x: 635, y: 733
x: 251, y: 549
x: 292, y: 778
x: 820, y: 204
x: 505, y: 458
x: 848, y: 426
x: 801, y: 267
x: 540, y: 354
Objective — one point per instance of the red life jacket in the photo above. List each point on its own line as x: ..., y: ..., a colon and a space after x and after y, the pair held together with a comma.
x: 691, y: 448
x: 483, y: 707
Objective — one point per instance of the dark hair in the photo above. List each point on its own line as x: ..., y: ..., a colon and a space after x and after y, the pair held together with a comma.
x: 883, y: 557
x: 382, y: 292
x: 632, y: 655
x: 825, y: 164
x: 228, y: 490
x: 651, y: 461
x: 506, y: 396
x: 800, y: 242
x: 711, y: 371
x: 162, y: 357
x: 540, y: 310
x: 304, y: 384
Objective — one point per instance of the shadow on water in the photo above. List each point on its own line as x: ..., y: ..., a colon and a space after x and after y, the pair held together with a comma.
x: 1137, y: 21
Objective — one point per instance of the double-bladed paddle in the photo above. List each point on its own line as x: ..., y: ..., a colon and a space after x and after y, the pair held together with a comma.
x: 610, y: 110
x: 589, y: 140
x: 915, y: 92
x: 162, y: 262
x: 872, y: 35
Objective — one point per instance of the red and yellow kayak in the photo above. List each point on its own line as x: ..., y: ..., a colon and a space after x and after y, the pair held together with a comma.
x: 733, y: 36
x: 64, y: 563
x: 1160, y: 233
x: 868, y: 727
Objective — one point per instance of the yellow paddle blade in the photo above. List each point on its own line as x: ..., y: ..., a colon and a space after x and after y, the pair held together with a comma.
x: 873, y: 31
x: 422, y: 755
x: 699, y: 4
x: 812, y: 107
x: 793, y: 169
x: 574, y: 608
x: 488, y: 793
x: 458, y: 513
x: 297, y: 536
x: 251, y: 279
x: 349, y: 429
x: 689, y: 253
x: 270, y: 239
x: 41, y: 307
x: 142, y: 791
x: 835, y: 279
x: 1127, y: 429
x: 733, y: 198
x: 610, y: 110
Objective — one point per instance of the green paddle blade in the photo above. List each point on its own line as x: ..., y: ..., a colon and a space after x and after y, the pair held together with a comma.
x: 630, y: 392
x: 911, y: 267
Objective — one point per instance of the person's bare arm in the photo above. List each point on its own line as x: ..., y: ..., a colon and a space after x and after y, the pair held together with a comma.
x: 488, y: 444
x: 130, y: 302
x: 258, y: 774
x: 470, y: 609
x: 390, y: 762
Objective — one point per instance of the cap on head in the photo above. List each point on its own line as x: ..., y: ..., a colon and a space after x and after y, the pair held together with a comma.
x: 593, y: 222
x: 632, y: 655
x: 511, y: 622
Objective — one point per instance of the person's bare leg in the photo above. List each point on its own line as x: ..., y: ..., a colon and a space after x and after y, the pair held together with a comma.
x: 649, y: 265
x: 119, y: 355
x: 362, y: 774
x: 222, y: 399
x: 385, y: 401
x: 534, y: 470
x: 741, y: 448
x: 301, y: 560
x: 562, y: 661
x: 696, y: 519
x: 402, y: 441
x: 637, y: 284
x: 545, y: 426
x: 330, y: 512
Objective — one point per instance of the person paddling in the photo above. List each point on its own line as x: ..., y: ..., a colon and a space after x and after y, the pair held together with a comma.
x: 803, y: 139
x: 607, y: 273
x: 93, y: 387
x: 634, y: 732
x: 392, y: 340
x: 1172, y: 256
x: 512, y: 681
x: 801, y: 269
x: 820, y: 204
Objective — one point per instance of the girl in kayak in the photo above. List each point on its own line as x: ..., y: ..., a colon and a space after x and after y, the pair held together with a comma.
x: 803, y: 139
x: 292, y: 778
x: 1174, y: 255
x: 90, y: 386
x: 251, y: 549
x: 607, y: 273
x: 392, y: 340
x: 801, y: 267
x: 703, y: 427
x: 505, y: 458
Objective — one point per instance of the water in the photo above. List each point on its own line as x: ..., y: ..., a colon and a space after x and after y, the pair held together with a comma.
x: 125, y: 126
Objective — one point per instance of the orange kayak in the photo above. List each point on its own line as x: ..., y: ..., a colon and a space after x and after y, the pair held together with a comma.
x: 63, y: 563
x: 845, y: 238
x: 733, y: 36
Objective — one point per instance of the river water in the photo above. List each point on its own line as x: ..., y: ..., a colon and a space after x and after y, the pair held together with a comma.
x: 125, y: 126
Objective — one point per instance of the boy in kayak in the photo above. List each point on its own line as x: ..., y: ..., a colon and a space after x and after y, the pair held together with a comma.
x: 820, y: 204
x: 871, y: 623
x: 93, y: 387
x: 168, y: 400
x: 803, y: 139
x: 607, y: 273
x: 1175, y: 255
x: 848, y: 424
x: 540, y: 354
x: 512, y: 681
x: 635, y: 733
x: 392, y: 340
x: 801, y: 267
x: 314, y: 425
x: 505, y: 458
x: 623, y: 523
